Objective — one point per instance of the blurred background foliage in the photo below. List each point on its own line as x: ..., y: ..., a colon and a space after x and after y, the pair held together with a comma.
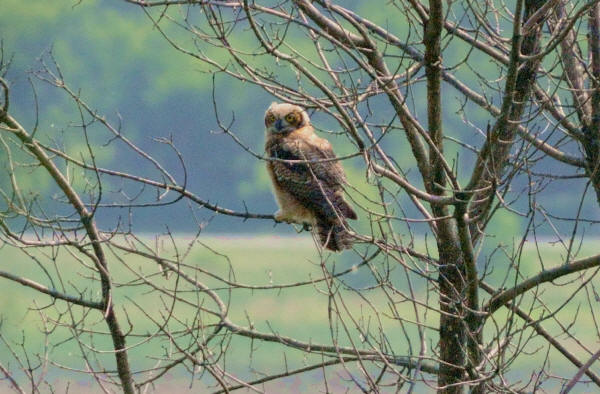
x: 112, y: 56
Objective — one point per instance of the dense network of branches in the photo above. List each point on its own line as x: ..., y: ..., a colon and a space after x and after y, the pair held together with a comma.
x: 462, y: 114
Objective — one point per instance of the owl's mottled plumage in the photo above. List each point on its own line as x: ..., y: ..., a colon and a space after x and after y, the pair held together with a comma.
x: 307, y: 193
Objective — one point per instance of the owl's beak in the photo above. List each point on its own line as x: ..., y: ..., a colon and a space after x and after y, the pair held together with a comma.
x: 278, y: 125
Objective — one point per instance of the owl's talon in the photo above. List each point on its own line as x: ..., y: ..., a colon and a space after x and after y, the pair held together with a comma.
x: 280, y: 217
x: 305, y: 227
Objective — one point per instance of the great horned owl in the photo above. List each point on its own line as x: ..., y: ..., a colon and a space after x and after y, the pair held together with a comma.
x: 307, y: 180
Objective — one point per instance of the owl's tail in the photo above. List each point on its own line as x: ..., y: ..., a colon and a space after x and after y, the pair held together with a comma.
x: 333, y: 234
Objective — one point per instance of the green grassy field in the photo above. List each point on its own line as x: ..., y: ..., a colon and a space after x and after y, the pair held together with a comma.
x: 299, y: 312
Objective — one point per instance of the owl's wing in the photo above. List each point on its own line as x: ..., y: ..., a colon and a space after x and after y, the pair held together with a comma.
x: 316, y: 185
x: 330, y: 171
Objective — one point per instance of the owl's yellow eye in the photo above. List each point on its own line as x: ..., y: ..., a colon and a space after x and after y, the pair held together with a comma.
x: 270, y: 118
x: 291, y: 118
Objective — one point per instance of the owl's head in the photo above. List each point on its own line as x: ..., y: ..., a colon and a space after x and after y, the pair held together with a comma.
x: 284, y: 118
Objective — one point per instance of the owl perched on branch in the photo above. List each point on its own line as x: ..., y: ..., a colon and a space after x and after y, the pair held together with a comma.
x: 307, y: 179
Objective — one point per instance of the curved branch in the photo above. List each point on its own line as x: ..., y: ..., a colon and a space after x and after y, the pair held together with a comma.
x: 52, y: 293
x: 540, y: 330
x: 506, y: 296
x: 99, y: 257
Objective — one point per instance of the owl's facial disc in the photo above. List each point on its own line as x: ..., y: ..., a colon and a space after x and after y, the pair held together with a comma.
x: 284, y: 118
x: 278, y: 126
x: 281, y: 126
